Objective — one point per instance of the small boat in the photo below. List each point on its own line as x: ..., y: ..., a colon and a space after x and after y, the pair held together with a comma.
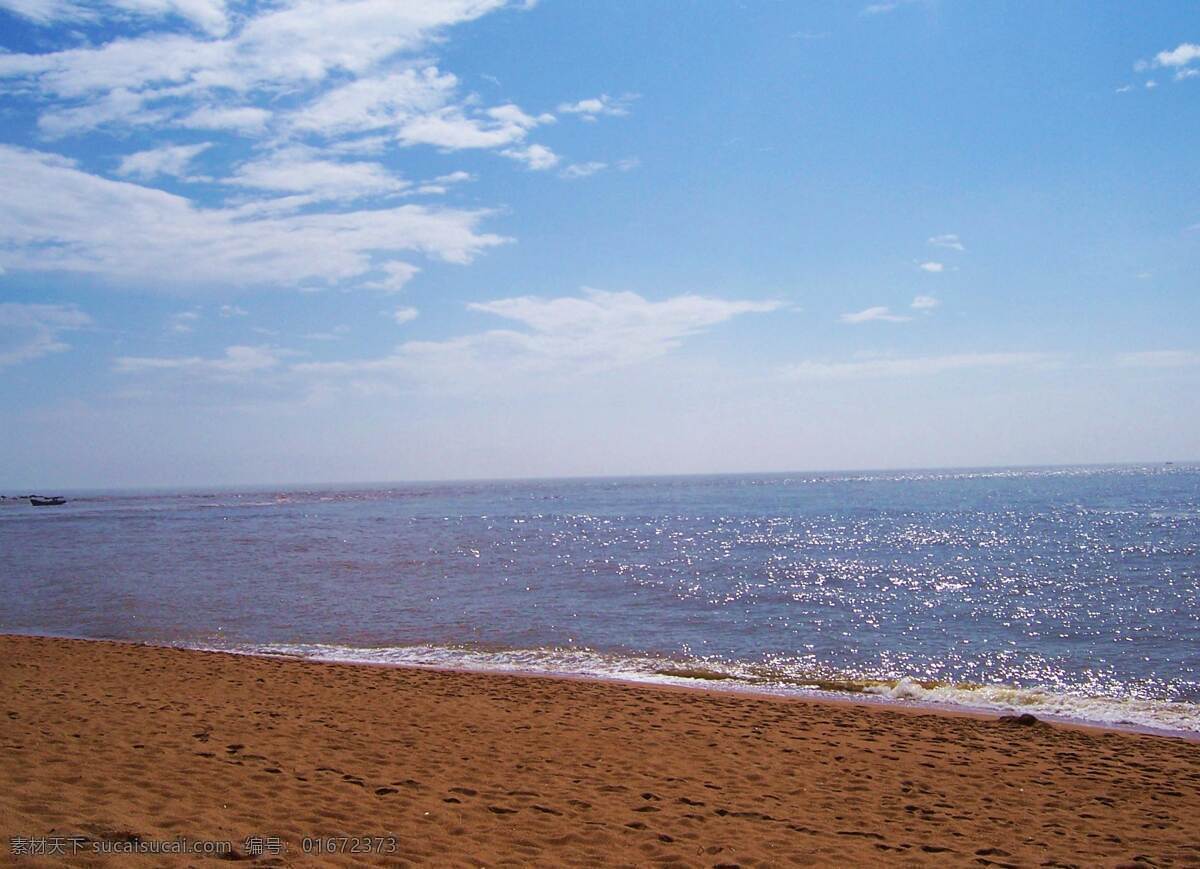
x: 46, y: 502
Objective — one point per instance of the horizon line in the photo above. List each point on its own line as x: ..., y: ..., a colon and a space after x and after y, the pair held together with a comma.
x: 582, y: 477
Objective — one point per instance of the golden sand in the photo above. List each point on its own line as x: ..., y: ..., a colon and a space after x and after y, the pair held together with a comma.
x: 110, y: 745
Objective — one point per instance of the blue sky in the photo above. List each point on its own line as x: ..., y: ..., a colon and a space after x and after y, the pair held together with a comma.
x: 386, y: 239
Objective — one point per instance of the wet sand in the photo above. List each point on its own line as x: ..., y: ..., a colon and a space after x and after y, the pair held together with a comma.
x: 114, y: 743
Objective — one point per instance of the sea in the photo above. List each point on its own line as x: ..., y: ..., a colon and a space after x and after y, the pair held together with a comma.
x: 1070, y: 593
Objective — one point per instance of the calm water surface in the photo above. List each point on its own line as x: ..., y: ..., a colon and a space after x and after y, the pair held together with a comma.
x: 1072, y: 591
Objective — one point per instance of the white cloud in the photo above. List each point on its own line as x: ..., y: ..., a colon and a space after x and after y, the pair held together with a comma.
x: 238, y: 361
x: 293, y: 49
x: 885, y: 6
x: 323, y: 85
x: 451, y: 129
x: 209, y: 15
x: 28, y: 331
x: 583, y: 170
x: 337, y: 333
x: 232, y: 311
x: 170, y: 160
x: 297, y: 171
x: 118, y: 106
x: 934, y: 267
x: 416, y: 107
x: 1181, y: 55
x: 395, y: 275
x: 562, y: 336
x: 949, y: 240
x: 442, y: 183
x: 921, y: 366
x: 879, y: 313
x: 536, y: 157
x: 44, y: 11
x: 183, y: 322
x: 404, y: 315
x: 1179, y: 59
x: 244, y: 119
x: 924, y: 303
x: 1159, y: 359
x: 594, y: 107
x: 299, y: 43
x: 58, y: 218
x: 377, y: 102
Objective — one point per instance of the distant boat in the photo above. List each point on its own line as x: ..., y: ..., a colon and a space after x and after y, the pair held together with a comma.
x: 46, y: 502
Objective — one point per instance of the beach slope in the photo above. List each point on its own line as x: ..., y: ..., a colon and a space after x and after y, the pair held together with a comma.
x: 119, y: 746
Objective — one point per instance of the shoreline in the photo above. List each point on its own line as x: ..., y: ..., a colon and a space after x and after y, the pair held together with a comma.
x: 115, y: 741
x: 730, y: 685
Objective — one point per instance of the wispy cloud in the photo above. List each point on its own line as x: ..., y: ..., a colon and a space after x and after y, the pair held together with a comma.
x: 948, y: 240
x: 183, y: 322
x: 207, y: 15
x: 58, y: 217
x: 551, y: 339
x: 297, y: 48
x: 395, y: 275
x: 879, y: 313
x: 453, y: 129
x: 320, y: 91
x: 931, y: 266
x: 920, y: 366
x: 169, y: 160
x: 300, y: 171
x: 557, y: 337
x: 595, y: 107
x: 337, y: 333
x: 246, y: 120
x: 1178, y: 59
x: 583, y: 170
x: 404, y: 315
x: 536, y: 157
x: 1159, y: 359
x: 29, y: 331
x: 238, y: 361
x: 924, y: 303
x: 882, y: 8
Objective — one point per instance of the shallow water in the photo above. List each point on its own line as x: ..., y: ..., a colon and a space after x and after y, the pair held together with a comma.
x: 1070, y: 591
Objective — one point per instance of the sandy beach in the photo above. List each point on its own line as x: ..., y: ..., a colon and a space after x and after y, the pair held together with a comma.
x: 108, y: 745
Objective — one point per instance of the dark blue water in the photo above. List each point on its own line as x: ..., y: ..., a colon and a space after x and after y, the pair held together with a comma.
x: 1069, y: 591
